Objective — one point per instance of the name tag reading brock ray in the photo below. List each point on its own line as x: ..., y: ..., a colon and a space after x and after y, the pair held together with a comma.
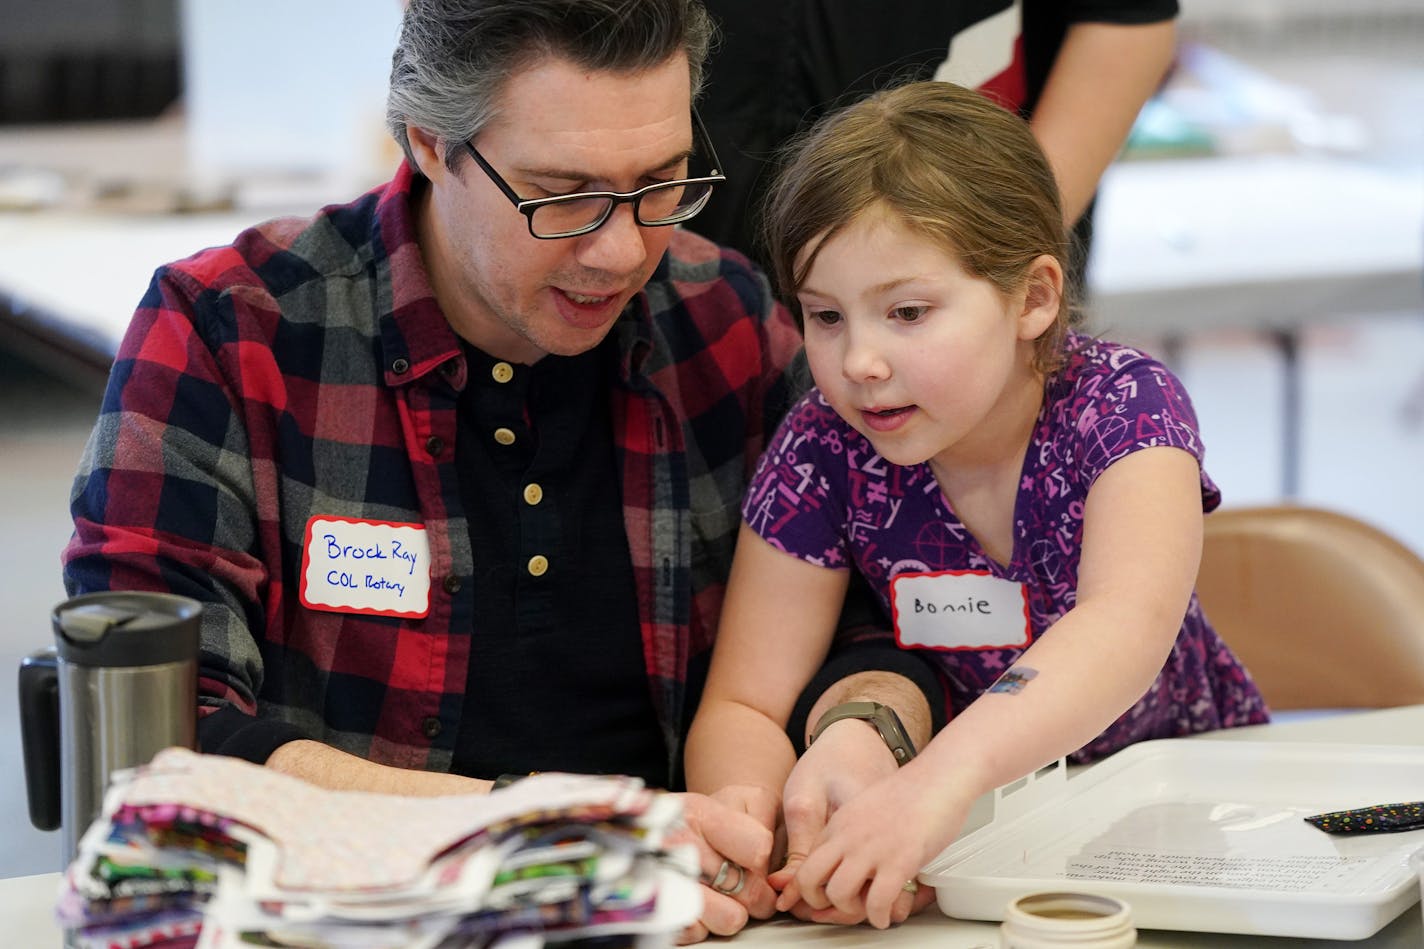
x: 959, y: 609
x: 359, y: 566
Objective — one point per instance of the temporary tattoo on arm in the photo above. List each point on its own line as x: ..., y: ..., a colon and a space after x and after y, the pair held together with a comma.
x: 1014, y: 680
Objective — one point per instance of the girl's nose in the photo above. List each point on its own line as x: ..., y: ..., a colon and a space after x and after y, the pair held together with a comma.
x: 864, y: 360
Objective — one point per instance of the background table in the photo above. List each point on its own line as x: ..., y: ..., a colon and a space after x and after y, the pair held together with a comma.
x: 26, y: 902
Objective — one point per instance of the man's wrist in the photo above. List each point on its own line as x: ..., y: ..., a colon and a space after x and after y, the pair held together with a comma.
x: 874, y: 671
x: 883, y: 718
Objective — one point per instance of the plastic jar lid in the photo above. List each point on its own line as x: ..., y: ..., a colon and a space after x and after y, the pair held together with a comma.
x: 1081, y: 920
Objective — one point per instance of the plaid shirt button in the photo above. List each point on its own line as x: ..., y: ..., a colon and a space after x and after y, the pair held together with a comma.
x: 435, y: 445
x: 449, y: 368
x: 400, y: 366
x: 452, y: 584
x: 431, y: 727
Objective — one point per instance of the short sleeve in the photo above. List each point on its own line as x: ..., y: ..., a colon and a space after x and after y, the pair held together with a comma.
x: 793, y: 502
x: 1131, y: 402
x: 1125, y: 12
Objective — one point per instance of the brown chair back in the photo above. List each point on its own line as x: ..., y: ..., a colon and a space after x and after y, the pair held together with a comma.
x: 1323, y: 609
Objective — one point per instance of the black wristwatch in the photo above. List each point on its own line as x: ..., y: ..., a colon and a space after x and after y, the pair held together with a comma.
x: 505, y: 780
x: 884, y: 719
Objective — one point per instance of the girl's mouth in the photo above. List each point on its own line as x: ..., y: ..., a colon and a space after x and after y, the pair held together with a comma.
x: 887, y: 420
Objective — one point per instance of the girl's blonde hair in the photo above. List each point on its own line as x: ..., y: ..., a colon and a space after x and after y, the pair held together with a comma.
x: 957, y: 169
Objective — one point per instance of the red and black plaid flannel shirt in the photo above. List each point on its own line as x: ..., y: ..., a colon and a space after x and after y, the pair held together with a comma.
x: 307, y: 369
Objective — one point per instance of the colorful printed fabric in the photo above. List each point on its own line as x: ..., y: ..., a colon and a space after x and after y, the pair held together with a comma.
x: 824, y: 495
x: 351, y: 868
x: 1375, y: 819
x: 308, y: 370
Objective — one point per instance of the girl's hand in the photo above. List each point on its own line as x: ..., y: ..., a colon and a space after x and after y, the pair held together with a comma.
x: 876, y: 843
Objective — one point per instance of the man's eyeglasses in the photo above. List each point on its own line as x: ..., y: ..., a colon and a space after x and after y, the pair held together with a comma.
x: 657, y: 205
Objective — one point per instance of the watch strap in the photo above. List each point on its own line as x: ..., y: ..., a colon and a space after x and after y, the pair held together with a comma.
x: 883, y: 717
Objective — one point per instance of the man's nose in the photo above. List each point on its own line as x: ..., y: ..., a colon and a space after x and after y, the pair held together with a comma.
x: 618, y: 246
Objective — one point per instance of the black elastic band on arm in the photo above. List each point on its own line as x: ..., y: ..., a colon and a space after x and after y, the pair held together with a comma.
x: 230, y: 732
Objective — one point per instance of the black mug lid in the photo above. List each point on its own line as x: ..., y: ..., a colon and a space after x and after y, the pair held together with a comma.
x: 126, y: 628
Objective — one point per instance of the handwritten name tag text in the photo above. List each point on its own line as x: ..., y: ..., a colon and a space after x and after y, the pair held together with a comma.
x: 361, y: 566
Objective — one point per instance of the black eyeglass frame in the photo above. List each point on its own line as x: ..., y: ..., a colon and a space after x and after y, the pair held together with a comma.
x: 527, y: 206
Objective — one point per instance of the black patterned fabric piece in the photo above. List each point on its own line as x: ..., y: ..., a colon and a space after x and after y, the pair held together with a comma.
x: 1375, y: 819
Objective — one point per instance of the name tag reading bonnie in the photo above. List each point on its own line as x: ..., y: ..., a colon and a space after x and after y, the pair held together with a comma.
x: 359, y: 566
x: 959, y: 609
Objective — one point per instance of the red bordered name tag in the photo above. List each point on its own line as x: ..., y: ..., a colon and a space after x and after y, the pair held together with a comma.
x: 959, y: 609
x: 351, y: 565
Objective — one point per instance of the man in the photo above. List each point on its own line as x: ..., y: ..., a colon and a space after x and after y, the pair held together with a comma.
x: 455, y: 469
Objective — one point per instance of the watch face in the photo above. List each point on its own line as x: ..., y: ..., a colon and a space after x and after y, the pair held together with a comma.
x: 891, y: 729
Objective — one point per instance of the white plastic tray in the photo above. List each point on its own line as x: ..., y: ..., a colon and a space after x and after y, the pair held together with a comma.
x: 1200, y: 835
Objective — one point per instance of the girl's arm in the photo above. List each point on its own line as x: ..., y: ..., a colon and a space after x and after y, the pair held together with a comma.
x: 1141, y: 549
x: 778, y: 620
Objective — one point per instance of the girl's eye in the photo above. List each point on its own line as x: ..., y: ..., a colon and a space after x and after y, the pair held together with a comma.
x: 824, y: 317
x: 910, y: 314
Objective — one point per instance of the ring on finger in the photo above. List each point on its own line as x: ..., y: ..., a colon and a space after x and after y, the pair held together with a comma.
x: 724, y: 872
x: 911, y: 887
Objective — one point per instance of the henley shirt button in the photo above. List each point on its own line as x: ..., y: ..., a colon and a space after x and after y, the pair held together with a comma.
x: 435, y: 445
x: 533, y: 494
x: 451, y: 584
x: 431, y: 727
x: 400, y: 366
x: 502, y: 372
x: 538, y: 565
x: 504, y: 436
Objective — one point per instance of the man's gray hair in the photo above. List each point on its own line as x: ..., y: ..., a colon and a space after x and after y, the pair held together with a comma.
x: 454, y: 56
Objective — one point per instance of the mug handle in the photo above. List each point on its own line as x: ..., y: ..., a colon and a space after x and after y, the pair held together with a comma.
x: 39, y: 734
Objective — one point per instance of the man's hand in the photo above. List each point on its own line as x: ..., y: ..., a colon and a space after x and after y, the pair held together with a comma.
x: 758, y: 802
x: 847, y: 758
x: 732, y: 826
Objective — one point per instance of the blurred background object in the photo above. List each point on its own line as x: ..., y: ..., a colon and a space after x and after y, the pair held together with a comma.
x: 72, y: 60
x: 310, y: 104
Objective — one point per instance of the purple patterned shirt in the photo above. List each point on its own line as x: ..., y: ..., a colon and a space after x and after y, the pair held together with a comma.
x: 822, y: 494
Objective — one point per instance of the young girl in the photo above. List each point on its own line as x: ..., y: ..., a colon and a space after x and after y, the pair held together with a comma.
x: 1026, y: 502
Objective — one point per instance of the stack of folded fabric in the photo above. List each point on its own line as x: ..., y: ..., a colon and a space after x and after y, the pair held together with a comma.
x: 208, y: 852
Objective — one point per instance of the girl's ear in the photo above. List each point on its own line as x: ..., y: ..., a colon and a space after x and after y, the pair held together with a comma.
x: 1043, y: 296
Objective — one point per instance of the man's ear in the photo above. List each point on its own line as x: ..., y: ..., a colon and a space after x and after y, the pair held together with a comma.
x: 425, y: 149
x: 1043, y: 296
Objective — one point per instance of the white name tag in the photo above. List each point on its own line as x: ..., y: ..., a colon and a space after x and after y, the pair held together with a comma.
x: 356, y: 566
x: 959, y: 609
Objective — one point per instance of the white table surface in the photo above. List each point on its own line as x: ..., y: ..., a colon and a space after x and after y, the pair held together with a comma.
x: 26, y: 903
x: 1256, y: 242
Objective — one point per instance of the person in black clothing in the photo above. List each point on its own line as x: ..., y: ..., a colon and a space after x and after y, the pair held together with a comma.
x: 1078, y: 69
